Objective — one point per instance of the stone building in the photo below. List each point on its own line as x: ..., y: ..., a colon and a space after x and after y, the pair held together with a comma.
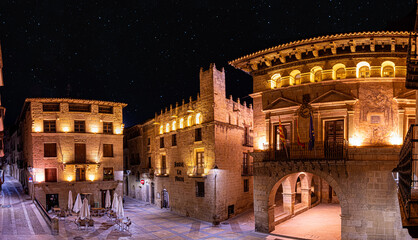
x: 193, y: 157
x: 347, y: 93
x: 13, y: 154
x: 72, y: 144
x: 2, y: 109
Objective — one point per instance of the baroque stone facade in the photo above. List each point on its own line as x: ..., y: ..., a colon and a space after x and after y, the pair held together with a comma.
x: 71, y: 144
x: 197, y: 153
x: 349, y: 89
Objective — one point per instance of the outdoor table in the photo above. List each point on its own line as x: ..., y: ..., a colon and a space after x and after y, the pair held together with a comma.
x: 56, y: 210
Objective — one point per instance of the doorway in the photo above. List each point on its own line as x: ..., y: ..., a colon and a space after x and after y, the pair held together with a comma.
x: 152, y: 193
x: 165, y: 200
x: 147, y: 194
x: 51, y: 201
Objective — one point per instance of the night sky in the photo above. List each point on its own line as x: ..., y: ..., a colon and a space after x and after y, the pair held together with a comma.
x: 148, y: 53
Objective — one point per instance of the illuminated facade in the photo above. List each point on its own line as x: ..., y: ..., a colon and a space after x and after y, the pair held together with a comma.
x: 197, y: 153
x: 353, y: 88
x: 72, y: 144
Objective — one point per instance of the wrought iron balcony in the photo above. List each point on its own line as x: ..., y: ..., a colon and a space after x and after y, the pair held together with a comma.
x: 196, y: 171
x: 247, y: 170
x: 406, y: 170
x: 322, y: 151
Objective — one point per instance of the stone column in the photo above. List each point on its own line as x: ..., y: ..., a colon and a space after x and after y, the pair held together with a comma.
x: 289, y: 202
x: 306, y: 197
x: 401, y: 119
x: 350, y: 128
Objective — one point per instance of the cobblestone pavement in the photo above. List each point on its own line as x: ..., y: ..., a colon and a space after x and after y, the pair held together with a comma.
x: 23, y: 221
x: 19, y: 218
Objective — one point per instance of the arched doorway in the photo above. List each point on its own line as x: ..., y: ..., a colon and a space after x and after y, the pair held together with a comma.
x: 165, y: 199
x: 311, y: 204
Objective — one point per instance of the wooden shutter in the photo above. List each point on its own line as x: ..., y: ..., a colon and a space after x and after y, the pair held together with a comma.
x: 80, y: 152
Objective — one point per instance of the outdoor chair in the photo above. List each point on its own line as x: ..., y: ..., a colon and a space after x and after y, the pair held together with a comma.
x: 90, y: 223
x: 102, y: 212
x: 81, y: 223
x: 62, y: 215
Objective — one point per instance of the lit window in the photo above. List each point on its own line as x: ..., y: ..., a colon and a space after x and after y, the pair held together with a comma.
x: 274, y: 80
x: 198, y: 118
x: 167, y: 127
x: 161, y: 129
x: 316, y: 74
x: 363, y: 70
x: 338, y: 71
x: 181, y: 123
x: 295, y: 77
x: 173, y: 127
x: 189, y: 121
x: 388, y: 72
x: 388, y: 69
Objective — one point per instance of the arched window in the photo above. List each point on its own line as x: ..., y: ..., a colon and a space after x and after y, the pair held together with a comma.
x: 274, y: 81
x: 189, y: 121
x: 338, y: 71
x: 173, y: 126
x: 388, y: 69
x: 294, y: 77
x: 198, y: 118
x: 363, y: 70
x: 161, y: 129
x: 167, y: 127
x: 181, y: 123
x: 316, y: 74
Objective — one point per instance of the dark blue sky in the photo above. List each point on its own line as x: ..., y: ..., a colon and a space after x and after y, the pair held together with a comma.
x: 148, y: 53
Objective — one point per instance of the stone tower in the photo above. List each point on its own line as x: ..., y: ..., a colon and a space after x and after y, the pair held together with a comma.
x: 212, y: 92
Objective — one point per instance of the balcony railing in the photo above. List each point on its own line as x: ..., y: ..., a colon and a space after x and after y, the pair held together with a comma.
x: 322, y: 151
x: 196, y: 171
x: 247, y: 170
x: 407, y: 168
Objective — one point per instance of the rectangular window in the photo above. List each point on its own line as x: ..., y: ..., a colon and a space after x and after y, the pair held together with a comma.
x: 149, y: 145
x: 51, y: 107
x: 50, y: 150
x: 174, y: 140
x: 75, y: 107
x: 198, y: 135
x: 80, y: 174
x: 50, y: 174
x: 107, y: 150
x: 80, y: 152
x: 200, y: 163
x: 149, y: 162
x: 50, y: 126
x: 334, y: 131
x: 162, y: 142
x: 80, y: 126
x: 107, y: 174
x: 106, y: 109
x: 246, y: 185
x: 200, y: 189
x: 108, y: 127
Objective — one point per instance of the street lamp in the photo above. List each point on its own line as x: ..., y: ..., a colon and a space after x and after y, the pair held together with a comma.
x: 215, y: 215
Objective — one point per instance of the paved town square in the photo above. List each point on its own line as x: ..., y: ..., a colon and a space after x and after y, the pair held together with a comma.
x: 21, y: 220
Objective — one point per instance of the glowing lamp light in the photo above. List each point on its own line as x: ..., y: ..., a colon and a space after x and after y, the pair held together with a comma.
x: 355, y: 141
x: 65, y: 129
x: 91, y: 177
x: 94, y: 129
x: 38, y: 129
x: 69, y: 178
x: 395, y: 140
x: 262, y: 144
x: 118, y: 131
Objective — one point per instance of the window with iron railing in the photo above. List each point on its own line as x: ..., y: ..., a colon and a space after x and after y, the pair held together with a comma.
x: 75, y: 107
x: 50, y: 107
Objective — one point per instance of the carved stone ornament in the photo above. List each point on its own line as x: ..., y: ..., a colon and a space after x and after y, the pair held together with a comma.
x: 305, y: 110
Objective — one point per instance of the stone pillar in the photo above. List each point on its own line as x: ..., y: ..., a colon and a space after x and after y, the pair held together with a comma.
x: 401, y: 119
x: 306, y: 197
x: 350, y: 128
x: 289, y: 202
